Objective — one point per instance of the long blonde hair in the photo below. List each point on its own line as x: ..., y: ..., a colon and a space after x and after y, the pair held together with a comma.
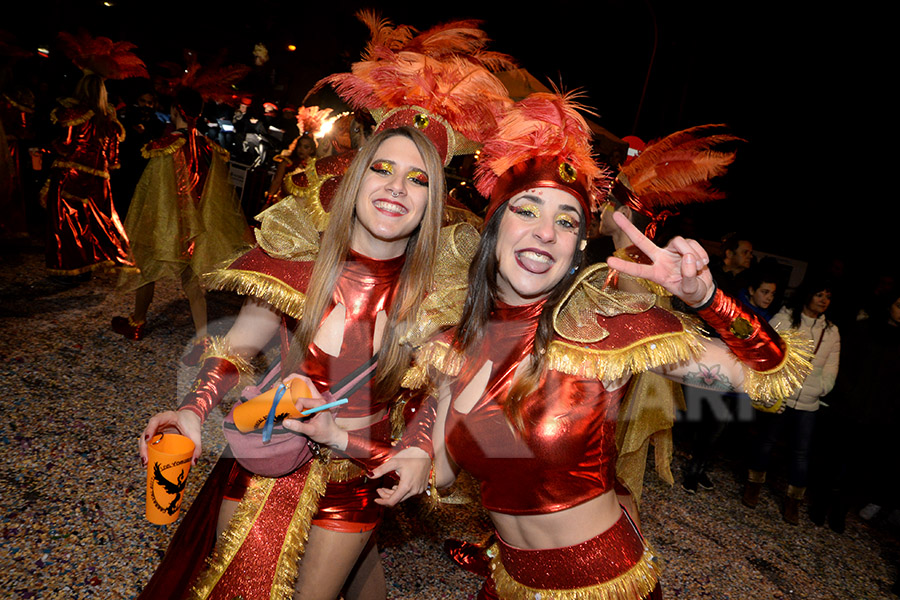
x: 415, y: 277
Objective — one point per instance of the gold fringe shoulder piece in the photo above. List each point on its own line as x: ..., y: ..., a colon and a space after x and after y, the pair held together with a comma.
x: 442, y: 307
x: 259, y: 285
x: 637, y: 582
x: 768, y: 389
x: 439, y: 356
x: 287, y: 230
x: 164, y: 147
x: 219, y: 348
x: 641, y: 352
x: 70, y: 116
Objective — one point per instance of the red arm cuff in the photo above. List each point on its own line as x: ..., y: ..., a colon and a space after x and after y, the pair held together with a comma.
x: 216, y: 377
x: 419, y: 418
x: 750, y: 338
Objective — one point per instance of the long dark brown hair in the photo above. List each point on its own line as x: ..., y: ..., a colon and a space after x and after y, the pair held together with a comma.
x: 415, y: 277
x: 482, y: 297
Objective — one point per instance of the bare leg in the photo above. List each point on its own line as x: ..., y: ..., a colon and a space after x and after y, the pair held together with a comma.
x: 196, y: 298
x: 328, y: 562
x: 142, y: 299
x: 226, y: 511
x: 366, y: 581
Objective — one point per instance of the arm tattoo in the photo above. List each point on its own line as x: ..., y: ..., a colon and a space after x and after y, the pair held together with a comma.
x: 709, y: 377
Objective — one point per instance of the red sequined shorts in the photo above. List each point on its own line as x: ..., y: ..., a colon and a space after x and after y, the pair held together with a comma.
x: 617, y: 564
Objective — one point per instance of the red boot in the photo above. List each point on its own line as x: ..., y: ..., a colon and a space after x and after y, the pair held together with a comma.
x: 128, y: 328
x: 200, y: 346
x: 471, y: 557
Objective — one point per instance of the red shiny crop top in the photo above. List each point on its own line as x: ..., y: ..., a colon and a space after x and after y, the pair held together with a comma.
x: 567, y: 454
x: 365, y: 287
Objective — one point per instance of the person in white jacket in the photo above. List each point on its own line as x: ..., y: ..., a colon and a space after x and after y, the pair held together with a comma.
x: 806, y: 315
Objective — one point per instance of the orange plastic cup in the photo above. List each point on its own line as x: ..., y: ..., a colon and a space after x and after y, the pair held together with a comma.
x: 168, y: 464
x: 252, y: 414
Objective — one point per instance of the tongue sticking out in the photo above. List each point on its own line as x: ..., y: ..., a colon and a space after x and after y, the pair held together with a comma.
x: 534, y: 261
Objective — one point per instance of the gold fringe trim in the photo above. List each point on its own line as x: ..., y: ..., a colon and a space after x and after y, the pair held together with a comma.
x: 67, y: 164
x: 437, y: 355
x: 265, y: 287
x: 643, y: 355
x: 84, y: 118
x: 167, y: 151
x: 635, y: 583
x: 219, y: 348
x: 768, y: 389
x: 341, y: 470
x: 18, y: 105
x: 233, y: 537
x: 298, y: 532
x: 106, y: 264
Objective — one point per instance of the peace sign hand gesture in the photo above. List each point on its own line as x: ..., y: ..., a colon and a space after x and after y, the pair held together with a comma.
x: 681, y: 267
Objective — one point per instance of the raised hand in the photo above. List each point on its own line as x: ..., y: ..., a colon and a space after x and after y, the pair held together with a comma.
x: 681, y: 267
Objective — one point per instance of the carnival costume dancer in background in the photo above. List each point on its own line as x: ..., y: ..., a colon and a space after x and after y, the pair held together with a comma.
x: 530, y: 380
x: 184, y: 218
x: 357, y: 293
x: 84, y: 231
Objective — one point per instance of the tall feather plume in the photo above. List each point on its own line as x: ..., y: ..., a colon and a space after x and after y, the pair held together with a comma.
x: 311, y: 119
x: 101, y: 55
x: 678, y: 169
x: 543, y: 124
x: 445, y: 70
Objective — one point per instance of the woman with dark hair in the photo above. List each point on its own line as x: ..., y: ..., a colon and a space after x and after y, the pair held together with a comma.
x: 804, y: 316
x: 84, y: 231
x: 292, y: 163
x: 530, y: 379
x: 184, y: 218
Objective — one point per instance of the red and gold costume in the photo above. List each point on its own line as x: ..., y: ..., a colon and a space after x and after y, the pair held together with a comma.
x: 309, y: 187
x: 566, y: 454
x: 184, y: 211
x: 84, y: 231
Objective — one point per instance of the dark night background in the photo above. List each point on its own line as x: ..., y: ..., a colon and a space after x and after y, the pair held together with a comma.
x: 805, y: 85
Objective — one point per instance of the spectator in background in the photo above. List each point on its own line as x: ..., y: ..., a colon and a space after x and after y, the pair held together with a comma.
x: 804, y: 317
x: 737, y: 257
x: 759, y: 294
x: 863, y: 412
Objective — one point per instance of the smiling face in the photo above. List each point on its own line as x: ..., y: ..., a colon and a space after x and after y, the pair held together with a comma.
x: 763, y: 295
x: 818, y: 304
x: 391, y: 201
x: 536, y: 242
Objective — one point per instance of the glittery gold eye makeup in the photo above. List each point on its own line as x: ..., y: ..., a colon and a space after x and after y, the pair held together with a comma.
x: 418, y: 177
x: 566, y: 221
x: 382, y: 166
x: 526, y: 210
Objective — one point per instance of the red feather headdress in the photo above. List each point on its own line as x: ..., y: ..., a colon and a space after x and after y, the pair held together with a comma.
x: 542, y: 141
x: 211, y: 82
x: 101, y: 55
x: 442, y: 76
x: 311, y: 119
x: 675, y: 171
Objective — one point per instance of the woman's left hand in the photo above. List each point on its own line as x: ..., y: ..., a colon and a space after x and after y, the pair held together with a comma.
x: 320, y: 427
x: 413, y: 465
x: 681, y: 267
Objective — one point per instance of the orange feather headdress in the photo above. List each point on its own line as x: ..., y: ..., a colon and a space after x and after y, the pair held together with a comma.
x: 675, y: 171
x: 542, y: 141
x: 311, y: 119
x: 439, y: 81
x: 102, y: 56
x: 212, y: 82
